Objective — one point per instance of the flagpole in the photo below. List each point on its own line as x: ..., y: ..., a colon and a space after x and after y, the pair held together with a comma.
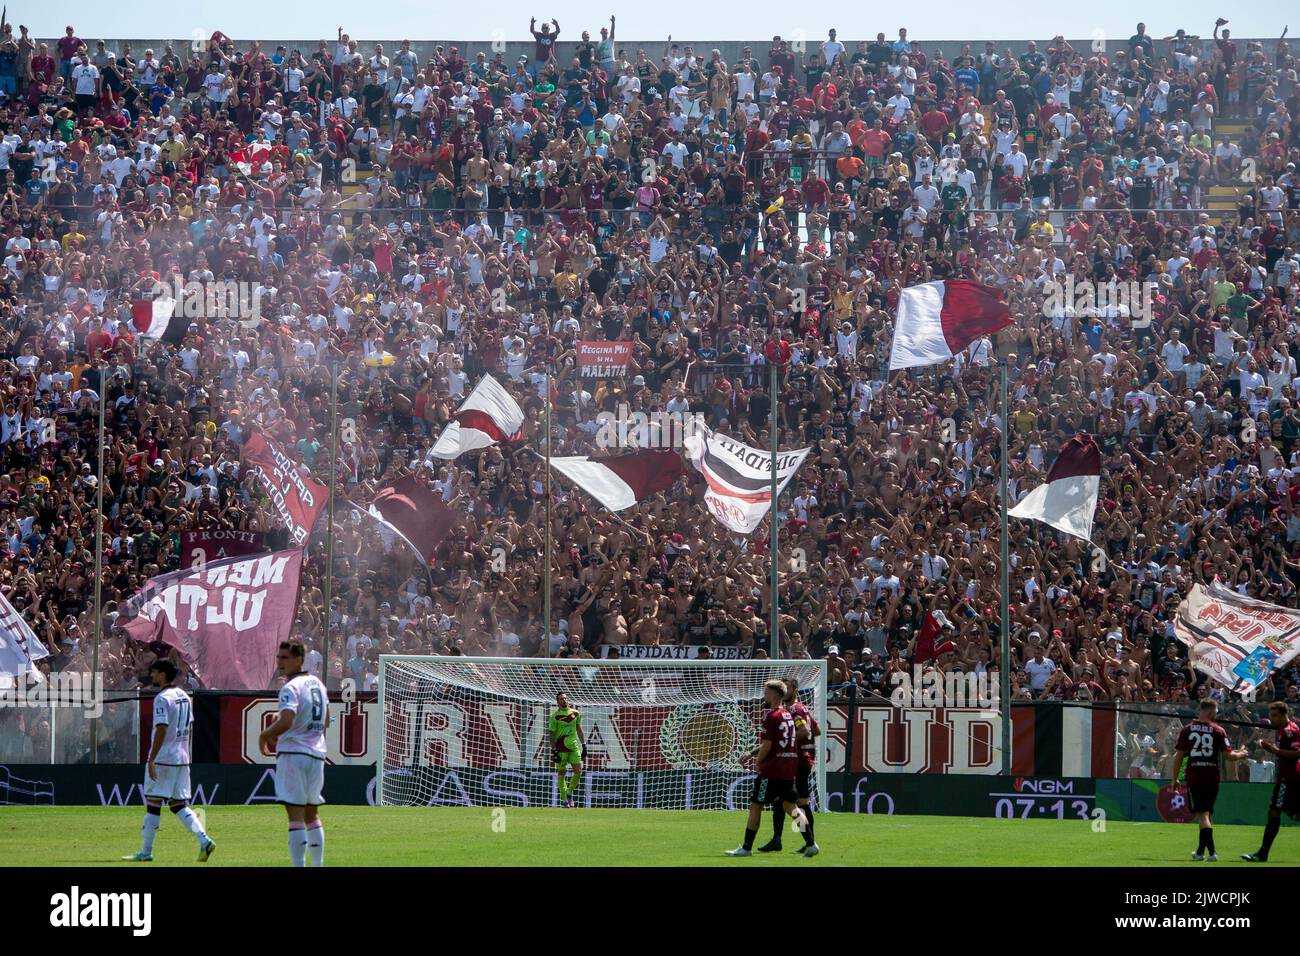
x: 99, y: 557
x: 1004, y: 651
x: 546, y: 540
x: 774, y: 610
x: 329, y: 530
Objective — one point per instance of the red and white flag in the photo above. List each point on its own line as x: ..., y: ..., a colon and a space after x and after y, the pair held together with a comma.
x: 20, y: 648
x: 150, y: 317
x: 928, y: 646
x: 488, y: 416
x: 1068, y: 499
x: 415, y: 513
x: 936, y: 320
x: 621, y: 481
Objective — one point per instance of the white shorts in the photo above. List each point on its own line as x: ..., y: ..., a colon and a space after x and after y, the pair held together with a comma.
x: 172, y: 783
x: 299, y: 779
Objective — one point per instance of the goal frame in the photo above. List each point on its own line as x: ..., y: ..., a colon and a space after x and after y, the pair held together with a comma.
x: 819, y: 710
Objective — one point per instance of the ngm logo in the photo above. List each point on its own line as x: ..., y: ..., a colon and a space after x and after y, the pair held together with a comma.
x: 1023, y: 785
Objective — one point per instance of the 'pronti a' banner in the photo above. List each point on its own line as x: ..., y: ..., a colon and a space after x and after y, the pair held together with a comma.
x: 203, y: 546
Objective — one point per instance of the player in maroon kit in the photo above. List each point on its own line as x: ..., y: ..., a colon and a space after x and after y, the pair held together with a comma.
x: 806, y: 732
x: 1286, y: 789
x: 777, y: 759
x: 1200, y: 744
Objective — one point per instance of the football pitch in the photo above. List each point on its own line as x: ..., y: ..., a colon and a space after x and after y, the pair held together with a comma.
x: 464, y: 836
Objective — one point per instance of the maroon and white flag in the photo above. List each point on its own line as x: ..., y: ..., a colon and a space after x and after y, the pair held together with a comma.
x: 20, y: 648
x: 227, y: 620
x: 621, y: 481
x: 1068, y: 499
x: 298, y: 498
x: 416, y: 513
x: 490, y: 415
x: 936, y: 320
x: 200, y: 547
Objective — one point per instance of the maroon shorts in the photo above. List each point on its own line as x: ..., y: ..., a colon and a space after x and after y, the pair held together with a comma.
x: 1202, y: 796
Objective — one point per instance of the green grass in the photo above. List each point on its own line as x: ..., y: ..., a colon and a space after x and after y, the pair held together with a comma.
x: 365, y: 836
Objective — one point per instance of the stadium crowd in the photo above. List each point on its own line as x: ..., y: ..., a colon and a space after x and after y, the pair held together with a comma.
x: 410, y: 224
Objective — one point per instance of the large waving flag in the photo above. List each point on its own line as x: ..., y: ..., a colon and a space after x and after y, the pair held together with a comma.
x: 416, y: 513
x: 488, y: 416
x: 621, y: 481
x: 936, y: 320
x: 20, y: 648
x: 1068, y: 499
x: 740, y: 478
x: 298, y: 498
x: 227, y: 620
x: 1237, y: 640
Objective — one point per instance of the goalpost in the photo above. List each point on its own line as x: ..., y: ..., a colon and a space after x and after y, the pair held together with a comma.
x: 661, y: 734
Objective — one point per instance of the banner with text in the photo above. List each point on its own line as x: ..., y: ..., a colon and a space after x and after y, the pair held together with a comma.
x: 675, y: 652
x: 202, y: 547
x: 740, y: 478
x: 298, y: 498
x: 227, y: 620
x: 603, y: 359
x: 1237, y: 640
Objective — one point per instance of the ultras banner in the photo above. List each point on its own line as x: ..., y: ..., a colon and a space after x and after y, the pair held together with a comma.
x: 226, y: 620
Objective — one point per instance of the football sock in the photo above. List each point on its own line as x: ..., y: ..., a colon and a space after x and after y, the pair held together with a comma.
x: 190, y: 820
x: 1209, y: 839
x: 564, y: 786
x: 573, y: 783
x: 808, y: 832
x: 297, y: 844
x: 316, y: 843
x: 1270, y: 834
x: 749, y: 838
x: 152, y: 817
x: 778, y: 823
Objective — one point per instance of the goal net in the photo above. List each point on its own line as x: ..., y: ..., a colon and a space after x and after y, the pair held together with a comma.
x: 663, y: 734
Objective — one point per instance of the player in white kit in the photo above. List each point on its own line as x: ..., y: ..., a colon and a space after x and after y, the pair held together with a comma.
x: 167, y: 773
x: 298, y: 736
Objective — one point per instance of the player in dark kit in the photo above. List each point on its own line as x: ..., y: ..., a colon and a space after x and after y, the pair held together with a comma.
x: 1286, y: 788
x: 1200, y: 744
x: 776, y: 760
x: 806, y: 733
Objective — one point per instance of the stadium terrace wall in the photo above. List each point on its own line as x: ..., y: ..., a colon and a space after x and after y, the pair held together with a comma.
x: 1047, y: 738
x: 1089, y: 801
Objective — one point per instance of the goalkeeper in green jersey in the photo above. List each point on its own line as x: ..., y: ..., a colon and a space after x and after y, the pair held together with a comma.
x: 568, y: 742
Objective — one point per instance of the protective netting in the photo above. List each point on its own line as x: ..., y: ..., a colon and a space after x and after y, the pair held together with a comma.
x: 665, y: 735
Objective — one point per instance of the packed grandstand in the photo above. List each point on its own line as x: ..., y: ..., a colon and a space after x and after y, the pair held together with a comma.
x: 389, y: 227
